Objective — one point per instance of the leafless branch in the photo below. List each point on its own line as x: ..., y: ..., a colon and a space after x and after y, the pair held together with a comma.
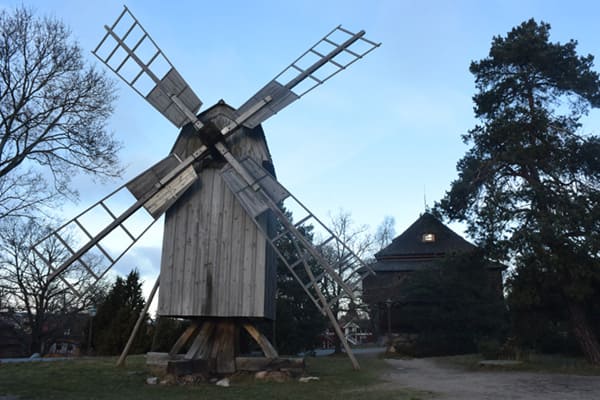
x: 53, y: 113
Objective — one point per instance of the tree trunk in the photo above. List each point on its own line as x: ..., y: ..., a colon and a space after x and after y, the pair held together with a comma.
x: 36, y: 340
x: 36, y: 323
x: 337, y: 345
x: 583, y: 332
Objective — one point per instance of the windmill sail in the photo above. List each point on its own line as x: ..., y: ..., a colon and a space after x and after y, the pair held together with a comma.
x: 91, y: 235
x: 309, y: 264
x: 169, y: 193
x: 129, y: 51
x: 335, y: 52
x: 153, y: 192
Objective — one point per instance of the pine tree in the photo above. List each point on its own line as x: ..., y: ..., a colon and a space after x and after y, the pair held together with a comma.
x: 117, y: 315
x: 455, y: 307
x: 299, y: 322
x: 529, y: 187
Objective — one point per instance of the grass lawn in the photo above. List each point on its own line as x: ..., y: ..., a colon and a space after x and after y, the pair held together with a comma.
x: 99, y: 379
x: 535, y: 363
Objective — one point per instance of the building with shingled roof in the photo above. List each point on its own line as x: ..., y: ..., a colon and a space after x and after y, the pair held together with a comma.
x: 423, y: 246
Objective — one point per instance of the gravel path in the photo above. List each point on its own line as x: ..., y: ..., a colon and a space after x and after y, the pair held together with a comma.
x: 454, y: 384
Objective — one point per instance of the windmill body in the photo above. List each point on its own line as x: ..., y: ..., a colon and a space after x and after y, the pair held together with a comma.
x: 224, y: 224
x: 215, y: 261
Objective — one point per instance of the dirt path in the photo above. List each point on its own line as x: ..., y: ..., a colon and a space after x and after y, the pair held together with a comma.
x: 454, y: 384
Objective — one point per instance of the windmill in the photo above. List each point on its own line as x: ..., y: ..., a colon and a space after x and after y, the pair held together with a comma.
x: 223, y: 218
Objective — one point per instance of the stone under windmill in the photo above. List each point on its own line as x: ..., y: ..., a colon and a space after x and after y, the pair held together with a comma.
x: 223, y: 222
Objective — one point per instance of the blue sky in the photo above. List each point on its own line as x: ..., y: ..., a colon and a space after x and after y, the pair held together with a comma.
x: 375, y: 139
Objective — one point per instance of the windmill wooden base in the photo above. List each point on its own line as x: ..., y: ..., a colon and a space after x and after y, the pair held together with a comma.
x: 214, y: 348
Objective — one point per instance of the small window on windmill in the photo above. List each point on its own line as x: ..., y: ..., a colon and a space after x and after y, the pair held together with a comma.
x: 428, y: 237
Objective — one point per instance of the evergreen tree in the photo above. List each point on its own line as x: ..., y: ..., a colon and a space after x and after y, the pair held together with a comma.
x: 117, y: 315
x: 529, y: 187
x: 453, y: 308
x: 299, y: 322
x: 538, y: 320
x: 166, y: 331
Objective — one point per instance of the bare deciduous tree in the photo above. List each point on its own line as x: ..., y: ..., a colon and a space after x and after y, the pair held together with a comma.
x: 24, y: 283
x: 385, y: 232
x: 358, y: 239
x: 53, y: 113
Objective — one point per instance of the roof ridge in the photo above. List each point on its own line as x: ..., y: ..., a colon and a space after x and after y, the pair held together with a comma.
x: 443, y: 240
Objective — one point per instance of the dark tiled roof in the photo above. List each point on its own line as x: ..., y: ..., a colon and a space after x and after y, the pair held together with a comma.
x: 408, y: 252
x: 410, y: 243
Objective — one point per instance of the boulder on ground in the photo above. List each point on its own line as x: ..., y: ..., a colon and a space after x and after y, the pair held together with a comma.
x: 223, y: 382
x: 306, y: 379
x: 272, y: 376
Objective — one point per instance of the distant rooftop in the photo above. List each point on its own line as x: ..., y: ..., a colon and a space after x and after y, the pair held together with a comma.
x: 421, y: 246
x: 426, y: 236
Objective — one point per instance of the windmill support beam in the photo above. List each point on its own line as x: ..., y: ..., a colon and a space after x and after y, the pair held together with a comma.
x: 262, y: 341
x: 215, y: 345
x: 183, y: 339
x: 138, y: 323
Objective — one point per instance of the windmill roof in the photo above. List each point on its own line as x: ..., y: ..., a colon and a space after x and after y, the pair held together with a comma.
x: 222, y: 113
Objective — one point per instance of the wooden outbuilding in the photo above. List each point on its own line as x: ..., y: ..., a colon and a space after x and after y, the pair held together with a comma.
x: 423, y: 246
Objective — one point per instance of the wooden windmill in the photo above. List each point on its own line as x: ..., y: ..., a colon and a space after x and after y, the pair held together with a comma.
x: 224, y: 221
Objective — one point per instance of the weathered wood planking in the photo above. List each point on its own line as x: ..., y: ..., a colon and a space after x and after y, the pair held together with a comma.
x: 183, y: 339
x: 140, y: 185
x: 168, y: 194
x: 215, y: 261
x: 200, y: 346
x: 266, y: 346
